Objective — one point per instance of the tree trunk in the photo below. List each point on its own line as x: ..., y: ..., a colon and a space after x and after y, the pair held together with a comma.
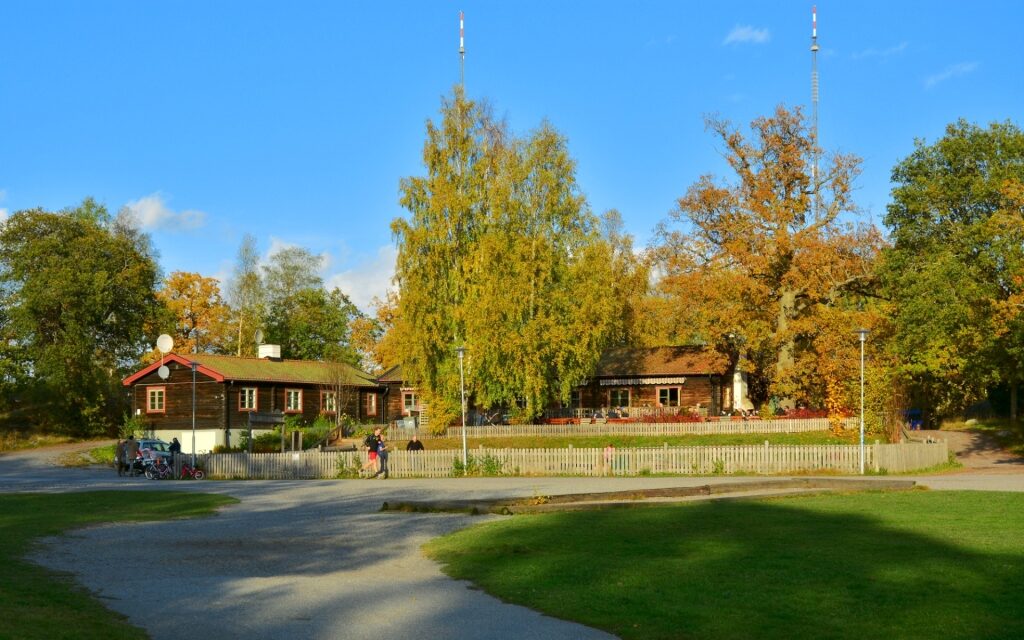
x: 785, y: 362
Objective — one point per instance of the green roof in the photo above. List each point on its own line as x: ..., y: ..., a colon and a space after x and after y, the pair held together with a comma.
x: 296, y: 371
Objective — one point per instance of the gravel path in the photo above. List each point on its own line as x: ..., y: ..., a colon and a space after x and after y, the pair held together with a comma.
x: 978, y: 452
x: 312, y: 559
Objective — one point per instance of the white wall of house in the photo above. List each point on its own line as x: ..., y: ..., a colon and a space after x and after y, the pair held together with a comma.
x: 206, y: 439
x: 739, y: 391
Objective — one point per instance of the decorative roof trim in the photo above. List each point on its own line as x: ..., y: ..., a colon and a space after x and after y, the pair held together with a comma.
x: 172, y: 357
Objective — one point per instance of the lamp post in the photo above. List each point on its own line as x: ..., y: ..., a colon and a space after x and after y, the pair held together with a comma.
x: 195, y: 365
x: 462, y: 392
x: 863, y: 335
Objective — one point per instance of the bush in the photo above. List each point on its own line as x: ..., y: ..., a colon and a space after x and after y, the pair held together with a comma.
x: 486, y: 465
x: 131, y: 426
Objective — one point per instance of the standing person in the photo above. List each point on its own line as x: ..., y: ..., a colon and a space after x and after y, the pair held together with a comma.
x: 414, y: 444
x: 175, y: 449
x: 609, y: 456
x: 131, y: 451
x: 382, y: 456
x: 119, y: 456
x: 371, y: 443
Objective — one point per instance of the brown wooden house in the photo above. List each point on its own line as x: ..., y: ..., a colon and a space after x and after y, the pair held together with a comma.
x: 402, y: 398
x: 227, y: 389
x: 632, y: 381
x: 659, y: 380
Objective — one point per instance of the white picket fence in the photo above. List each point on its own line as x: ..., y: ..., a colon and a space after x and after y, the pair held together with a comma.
x: 757, y: 459
x: 710, y: 427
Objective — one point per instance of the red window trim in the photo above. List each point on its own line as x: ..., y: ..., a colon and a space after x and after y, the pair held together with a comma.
x: 286, y: 409
x: 323, y: 406
x: 415, y: 405
x: 255, y: 399
x: 367, y: 406
x: 679, y: 399
x: 149, y: 391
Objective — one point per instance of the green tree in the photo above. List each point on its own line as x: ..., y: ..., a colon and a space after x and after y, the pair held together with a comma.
x: 245, y: 292
x: 314, y: 324
x: 500, y: 254
x: 291, y: 270
x: 956, y: 264
x: 78, y: 289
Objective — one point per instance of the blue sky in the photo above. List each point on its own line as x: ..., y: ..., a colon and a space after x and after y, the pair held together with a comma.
x: 296, y: 121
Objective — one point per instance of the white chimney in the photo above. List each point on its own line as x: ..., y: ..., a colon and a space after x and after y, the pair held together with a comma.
x: 272, y: 351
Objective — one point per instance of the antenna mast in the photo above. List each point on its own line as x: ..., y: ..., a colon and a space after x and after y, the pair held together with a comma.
x: 462, y: 53
x: 814, y: 109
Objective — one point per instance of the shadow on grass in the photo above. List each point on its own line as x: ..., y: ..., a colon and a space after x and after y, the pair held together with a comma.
x: 901, y: 565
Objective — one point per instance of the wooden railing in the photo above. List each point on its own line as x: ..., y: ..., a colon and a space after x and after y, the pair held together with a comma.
x: 757, y: 459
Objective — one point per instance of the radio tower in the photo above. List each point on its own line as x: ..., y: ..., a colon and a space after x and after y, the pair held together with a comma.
x: 462, y: 53
x: 814, y: 108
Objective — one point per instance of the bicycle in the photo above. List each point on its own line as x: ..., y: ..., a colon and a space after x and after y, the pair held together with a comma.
x: 191, y: 472
x: 159, y: 470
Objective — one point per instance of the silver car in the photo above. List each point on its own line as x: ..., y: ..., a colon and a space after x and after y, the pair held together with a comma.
x: 153, y: 448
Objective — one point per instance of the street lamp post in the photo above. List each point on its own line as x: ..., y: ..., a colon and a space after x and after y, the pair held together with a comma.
x: 462, y: 392
x: 195, y: 365
x: 863, y: 335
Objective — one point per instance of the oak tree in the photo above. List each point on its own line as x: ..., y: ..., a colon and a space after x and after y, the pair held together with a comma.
x: 767, y: 267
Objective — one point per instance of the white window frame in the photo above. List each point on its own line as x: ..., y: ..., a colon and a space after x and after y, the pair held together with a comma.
x: 679, y: 395
x: 151, y: 393
x: 329, y: 402
x: 244, y: 396
x: 288, y: 395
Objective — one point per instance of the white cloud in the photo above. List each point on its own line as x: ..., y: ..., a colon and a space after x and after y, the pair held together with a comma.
x: 277, y: 245
x: 151, y: 213
x: 3, y: 214
x: 747, y: 33
x: 880, y: 53
x: 370, y: 279
x: 953, y: 71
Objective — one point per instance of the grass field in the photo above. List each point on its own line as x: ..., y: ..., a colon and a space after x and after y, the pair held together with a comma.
x: 558, y: 442
x: 37, y: 603
x: 884, y: 565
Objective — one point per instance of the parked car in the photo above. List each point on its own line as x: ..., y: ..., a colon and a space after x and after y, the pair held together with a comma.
x: 157, y: 448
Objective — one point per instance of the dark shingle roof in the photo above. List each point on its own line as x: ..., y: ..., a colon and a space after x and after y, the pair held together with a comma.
x: 661, y: 361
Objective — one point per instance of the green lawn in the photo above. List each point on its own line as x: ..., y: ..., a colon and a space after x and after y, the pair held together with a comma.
x: 869, y: 565
x: 559, y: 442
x: 37, y: 603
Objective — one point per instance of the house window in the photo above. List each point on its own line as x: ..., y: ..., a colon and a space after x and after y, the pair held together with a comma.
x: 156, y: 400
x: 247, y: 399
x: 668, y: 396
x: 293, y: 400
x: 409, y: 403
x: 618, y: 398
x: 328, y: 402
x: 577, y: 399
x: 371, y: 404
